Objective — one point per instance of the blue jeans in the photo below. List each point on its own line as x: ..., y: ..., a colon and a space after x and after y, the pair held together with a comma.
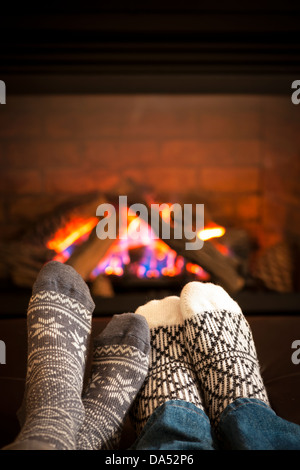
x: 246, y: 424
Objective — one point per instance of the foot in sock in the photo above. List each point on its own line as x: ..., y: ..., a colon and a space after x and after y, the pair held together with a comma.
x: 58, y: 323
x: 221, y: 345
x: 171, y: 375
x: 119, y: 367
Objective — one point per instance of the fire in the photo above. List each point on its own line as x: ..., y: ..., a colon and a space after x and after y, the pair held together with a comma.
x: 75, y: 230
x: 213, y: 232
x: 156, y: 257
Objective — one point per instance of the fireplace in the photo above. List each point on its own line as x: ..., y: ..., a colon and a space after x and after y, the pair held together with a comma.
x: 239, y: 155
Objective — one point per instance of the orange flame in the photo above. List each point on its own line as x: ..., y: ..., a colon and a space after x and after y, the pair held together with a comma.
x: 158, y: 259
x: 72, y: 232
x: 197, y: 270
x: 208, y: 233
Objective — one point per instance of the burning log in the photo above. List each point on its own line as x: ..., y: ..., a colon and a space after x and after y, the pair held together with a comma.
x: 86, y: 256
x: 222, y: 269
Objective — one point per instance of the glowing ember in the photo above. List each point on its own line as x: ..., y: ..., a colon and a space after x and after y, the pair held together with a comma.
x: 195, y: 269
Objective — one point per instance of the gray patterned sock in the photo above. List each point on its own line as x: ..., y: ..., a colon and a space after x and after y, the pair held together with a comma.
x: 58, y: 322
x: 221, y: 345
x: 119, y: 367
x: 171, y: 373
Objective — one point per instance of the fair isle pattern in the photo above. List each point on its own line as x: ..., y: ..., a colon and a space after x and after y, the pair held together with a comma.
x: 58, y: 329
x: 171, y: 375
x: 71, y: 308
x: 58, y: 319
x: 225, y: 358
x: 118, y: 372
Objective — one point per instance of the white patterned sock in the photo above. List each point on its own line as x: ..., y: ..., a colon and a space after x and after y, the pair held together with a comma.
x: 119, y: 367
x: 221, y: 345
x: 58, y: 322
x: 171, y: 375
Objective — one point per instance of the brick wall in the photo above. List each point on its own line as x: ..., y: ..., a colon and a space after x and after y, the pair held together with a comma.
x: 240, y: 155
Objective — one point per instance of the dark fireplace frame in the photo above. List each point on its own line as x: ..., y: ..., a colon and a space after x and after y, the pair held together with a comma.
x: 150, y: 48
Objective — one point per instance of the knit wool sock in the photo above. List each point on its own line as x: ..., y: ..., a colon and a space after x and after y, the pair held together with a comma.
x: 222, y: 348
x: 58, y: 323
x: 171, y: 375
x: 119, y: 367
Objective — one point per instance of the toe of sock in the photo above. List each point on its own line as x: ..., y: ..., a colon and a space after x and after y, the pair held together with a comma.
x: 197, y: 297
x: 165, y: 312
x: 126, y: 329
x: 61, y: 278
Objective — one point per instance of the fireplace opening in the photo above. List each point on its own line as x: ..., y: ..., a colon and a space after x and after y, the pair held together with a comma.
x: 137, y: 256
x: 143, y: 264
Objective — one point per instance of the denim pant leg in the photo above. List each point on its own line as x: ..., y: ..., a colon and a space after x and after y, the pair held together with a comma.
x: 249, y: 424
x: 176, y: 425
